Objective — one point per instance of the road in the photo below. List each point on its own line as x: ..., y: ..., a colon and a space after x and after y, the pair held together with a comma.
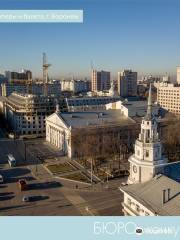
x: 59, y: 197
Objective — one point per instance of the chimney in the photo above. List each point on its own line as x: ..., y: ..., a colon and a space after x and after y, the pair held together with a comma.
x: 166, y: 195
x: 169, y: 191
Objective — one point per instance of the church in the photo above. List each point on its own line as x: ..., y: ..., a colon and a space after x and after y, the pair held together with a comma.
x: 153, y: 186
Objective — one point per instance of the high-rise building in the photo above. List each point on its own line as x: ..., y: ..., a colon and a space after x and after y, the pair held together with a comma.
x: 100, y: 81
x: 168, y: 97
x: 24, y: 75
x: 178, y: 74
x: 127, y: 83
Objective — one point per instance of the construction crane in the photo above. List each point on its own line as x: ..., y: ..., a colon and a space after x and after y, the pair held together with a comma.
x: 45, y: 73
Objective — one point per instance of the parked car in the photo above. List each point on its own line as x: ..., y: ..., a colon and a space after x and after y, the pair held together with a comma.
x: 34, y: 198
x: 22, y: 184
x: 1, y: 179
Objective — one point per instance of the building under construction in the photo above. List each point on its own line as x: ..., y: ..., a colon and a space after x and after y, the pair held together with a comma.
x: 26, y: 113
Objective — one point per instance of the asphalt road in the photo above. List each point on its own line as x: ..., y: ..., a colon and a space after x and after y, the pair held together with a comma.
x: 59, y: 197
x: 51, y: 202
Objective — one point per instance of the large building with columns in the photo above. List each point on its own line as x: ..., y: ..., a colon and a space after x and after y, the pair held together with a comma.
x: 70, y: 131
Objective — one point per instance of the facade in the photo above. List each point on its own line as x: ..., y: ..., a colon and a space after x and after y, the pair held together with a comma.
x: 89, y: 103
x: 147, y: 160
x: 157, y: 197
x: 153, y: 184
x: 127, y: 83
x: 52, y: 89
x: 26, y: 113
x: 100, y: 81
x: 178, y: 74
x: 132, y: 108
x: 168, y: 97
x: 24, y: 75
x: 75, y: 86
x: 73, y: 133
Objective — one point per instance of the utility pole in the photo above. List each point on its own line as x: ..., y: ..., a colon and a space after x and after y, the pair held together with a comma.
x: 25, y: 151
x: 91, y: 171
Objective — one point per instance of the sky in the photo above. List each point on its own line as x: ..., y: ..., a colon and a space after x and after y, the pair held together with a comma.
x: 143, y: 35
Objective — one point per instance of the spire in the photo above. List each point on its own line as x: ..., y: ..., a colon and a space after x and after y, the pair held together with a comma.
x: 149, y: 108
x: 57, y: 107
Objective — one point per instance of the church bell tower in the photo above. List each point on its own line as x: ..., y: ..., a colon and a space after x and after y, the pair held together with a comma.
x: 147, y: 159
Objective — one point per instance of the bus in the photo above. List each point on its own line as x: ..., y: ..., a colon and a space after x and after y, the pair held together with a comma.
x: 11, y: 160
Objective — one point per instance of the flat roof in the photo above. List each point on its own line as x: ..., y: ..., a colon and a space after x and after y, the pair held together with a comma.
x: 91, y: 100
x: 150, y: 195
x: 96, y: 118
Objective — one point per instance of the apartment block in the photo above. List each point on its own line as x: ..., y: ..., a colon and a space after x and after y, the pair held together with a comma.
x: 127, y: 83
x: 168, y: 96
x: 100, y: 81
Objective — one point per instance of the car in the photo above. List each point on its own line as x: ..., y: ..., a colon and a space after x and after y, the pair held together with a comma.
x: 34, y: 198
x: 26, y: 199
x: 1, y: 179
x: 22, y: 184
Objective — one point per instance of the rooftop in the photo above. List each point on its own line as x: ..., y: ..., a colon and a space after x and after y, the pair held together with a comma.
x: 150, y: 195
x: 96, y: 118
x: 91, y: 101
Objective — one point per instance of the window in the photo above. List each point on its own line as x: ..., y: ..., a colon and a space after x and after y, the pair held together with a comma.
x: 129, y: 201
x: 147, y: 153
x: 137, y: 208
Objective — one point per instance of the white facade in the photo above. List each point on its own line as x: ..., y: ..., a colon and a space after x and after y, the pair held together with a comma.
x: 75, y: 86
x: 132, y: 108
x: 178, y: 74
x: 132, y: 207
x: 58, y: 133
x: 168, y: 97
x: 147, y: 159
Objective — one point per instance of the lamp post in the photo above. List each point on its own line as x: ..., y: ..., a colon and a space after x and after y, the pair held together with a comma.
x: 25, y: 156
x: 91, y: 171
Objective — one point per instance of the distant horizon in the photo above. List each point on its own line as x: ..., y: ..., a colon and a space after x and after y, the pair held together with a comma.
x: 88, y: 75
x: 116, y: 34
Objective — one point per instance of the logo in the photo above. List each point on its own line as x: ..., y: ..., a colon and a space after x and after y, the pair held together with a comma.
x: 139, y: 231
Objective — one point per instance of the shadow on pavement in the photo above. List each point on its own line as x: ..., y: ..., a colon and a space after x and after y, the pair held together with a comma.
x: 6, y: 193
x: 67, y: 205
x: 15, y: 172
x: 44, y: 185
x: 11, y: 207
x: 16, y: 179
x: 3, y: 186
x: 4, y: 198
x: 38, y: 198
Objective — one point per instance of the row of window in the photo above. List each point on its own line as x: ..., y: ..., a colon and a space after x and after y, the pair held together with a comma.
x: 33, y: 132
x: 137, y: 207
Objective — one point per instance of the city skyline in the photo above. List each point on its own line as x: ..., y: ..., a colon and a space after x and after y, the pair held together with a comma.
x: 115, y: 35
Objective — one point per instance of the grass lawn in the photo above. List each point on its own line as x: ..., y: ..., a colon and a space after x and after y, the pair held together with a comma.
x: 77, y: 177
x: 61, y: 168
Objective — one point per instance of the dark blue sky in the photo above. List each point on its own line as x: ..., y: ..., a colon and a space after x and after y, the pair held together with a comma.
x: 140, y: 34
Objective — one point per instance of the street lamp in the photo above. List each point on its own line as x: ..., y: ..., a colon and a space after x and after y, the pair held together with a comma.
x: 25, y: 156
x: 91, y: 171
